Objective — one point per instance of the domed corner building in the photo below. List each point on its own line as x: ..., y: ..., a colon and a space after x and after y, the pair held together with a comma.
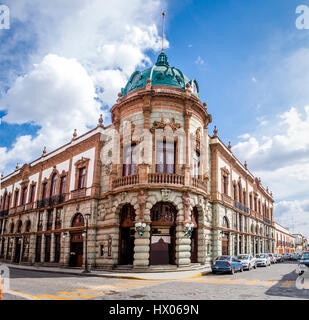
x: 155, y: 189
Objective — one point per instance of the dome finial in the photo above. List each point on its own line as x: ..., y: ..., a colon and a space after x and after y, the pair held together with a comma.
x: 163, y: 14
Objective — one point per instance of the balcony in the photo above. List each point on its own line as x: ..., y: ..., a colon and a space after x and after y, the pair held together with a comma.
x: 4, y: 213
x: 241, y: 207
x: 78, y: 193
x: 197, y: 183
x: 165, y: 178
x: 267, y: 220
x: 49, y: 202
x: 125, y: 181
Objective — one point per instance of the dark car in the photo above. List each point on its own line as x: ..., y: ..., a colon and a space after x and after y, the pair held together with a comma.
x: 303, y: 264
x: 226, y: 264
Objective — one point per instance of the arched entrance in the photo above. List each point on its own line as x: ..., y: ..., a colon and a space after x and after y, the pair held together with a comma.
x: 225, y: 238
x: 76, y: 241
x: 163, y: 234
x: 194, y: 237
x: 126, y: 235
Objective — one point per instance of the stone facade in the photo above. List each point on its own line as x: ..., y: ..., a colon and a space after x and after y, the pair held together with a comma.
x: 157, y: 186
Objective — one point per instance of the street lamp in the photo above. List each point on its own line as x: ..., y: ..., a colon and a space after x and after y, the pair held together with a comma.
x: 87, y: 215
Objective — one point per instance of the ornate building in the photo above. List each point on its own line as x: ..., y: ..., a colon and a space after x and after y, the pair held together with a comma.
x: 161, y: 192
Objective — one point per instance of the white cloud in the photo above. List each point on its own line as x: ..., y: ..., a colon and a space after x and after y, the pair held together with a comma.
x: 80, y: 46
x: 199, y: 60
x: 294, y: 215
x: 253, y: 79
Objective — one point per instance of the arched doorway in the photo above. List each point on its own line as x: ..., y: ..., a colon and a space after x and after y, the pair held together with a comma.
x: 163, y: 234
x: 194, y: 237
x: 225, y: 238
x: 126, y: 235
x: 76, y: 241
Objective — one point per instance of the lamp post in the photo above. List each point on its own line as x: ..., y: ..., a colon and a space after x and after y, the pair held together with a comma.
x: 87, y: 215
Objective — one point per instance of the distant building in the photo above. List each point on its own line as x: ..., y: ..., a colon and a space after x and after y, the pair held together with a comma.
x: 285, y: 240
x: 300, y: 242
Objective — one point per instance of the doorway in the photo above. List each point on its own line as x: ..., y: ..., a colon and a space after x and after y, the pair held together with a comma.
x: 38, y: 249
x: 194, y: 237
x: 76, y: 250
x: 126, y: 235
x: 17, y: 250
x: 225, y: 245
x: 163, y: 234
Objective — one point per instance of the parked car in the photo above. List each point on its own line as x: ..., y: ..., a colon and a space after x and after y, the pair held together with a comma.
x: 303, y: 264
x: 287, y: 256
x: 226, y: 264
x: 295, y: 256
x: 279, y: 258
x: 272, y: 258
x: 248, y: 261
x: 263, y: 259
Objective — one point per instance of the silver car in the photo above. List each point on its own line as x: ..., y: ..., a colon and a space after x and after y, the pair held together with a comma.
x: 263, y: 259
x: 248, y: 261
x: 272, y: 258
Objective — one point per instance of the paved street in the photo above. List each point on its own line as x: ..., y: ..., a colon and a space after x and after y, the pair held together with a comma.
x: 275, y: 282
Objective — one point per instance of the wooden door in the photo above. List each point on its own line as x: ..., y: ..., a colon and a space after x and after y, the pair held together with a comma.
x: 225, y: 245
x: 17, y: 251
x: 126, y: 252
x: 38, y: 249
x: 57, y: 248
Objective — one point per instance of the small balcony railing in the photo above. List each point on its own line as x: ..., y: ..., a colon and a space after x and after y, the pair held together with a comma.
x: 125, y: 181
x: 198, y: 183
x: 49, y: 202
x: 78, y: 193
x: 241, y: 207
x: 166, y: 178
x: 4, y: 213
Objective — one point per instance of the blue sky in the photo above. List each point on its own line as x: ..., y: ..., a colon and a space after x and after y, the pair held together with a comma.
x: 250, y: 60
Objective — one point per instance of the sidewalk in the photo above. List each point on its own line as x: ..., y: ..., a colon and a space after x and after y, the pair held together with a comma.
x: 117, y: 275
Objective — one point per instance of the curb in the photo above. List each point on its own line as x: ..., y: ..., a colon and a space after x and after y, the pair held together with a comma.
x: 106, y: 275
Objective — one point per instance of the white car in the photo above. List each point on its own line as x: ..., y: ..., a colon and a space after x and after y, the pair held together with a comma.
x: 272, y: 258
x: 248, y: 261
x: 263, y: 259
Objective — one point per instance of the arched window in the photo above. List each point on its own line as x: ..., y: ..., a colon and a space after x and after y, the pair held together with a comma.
x: 12, y: 228
x: 239, y: 192
x: 225, y: 222
x: 163, y: 213
x: 78, y: 220
x: 53, y: 185
x: 19, y: 226
x: 28, y: 226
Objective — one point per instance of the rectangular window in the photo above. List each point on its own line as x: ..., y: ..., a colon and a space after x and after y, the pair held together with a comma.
x: 225, y: 184
x: 24, y: 196
x: 82, y: 178
x: 196, y: 164
x: 62, y: 184
x: 40, y: 222
x: 129, y: 160
x: 49, y: 219
x: 58, y: 218
x: 165, y: 156
x: 32, y: 194
x: 16, y: 198
x: 44, y: 191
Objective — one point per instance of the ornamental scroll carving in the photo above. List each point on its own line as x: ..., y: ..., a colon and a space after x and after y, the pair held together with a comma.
x: 163, y: 124
x: 186, y: 199
x: 142, y: 198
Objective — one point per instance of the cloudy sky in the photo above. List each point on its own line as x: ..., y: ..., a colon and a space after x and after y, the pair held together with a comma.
x: 62, y: 63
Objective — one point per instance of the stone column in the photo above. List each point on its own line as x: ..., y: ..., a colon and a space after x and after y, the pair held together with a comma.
x: 31, y: 258
x: 187, y: 167
x: 6, y: 239
x: 91, y: 248
x: 142, y: 243
x: 52, y: 247
x: 183, y: 246
x: 13, y: 249
x: 216, y: 244
x: 21, y: 249
x: 65, y: 250
x: 43, y: 248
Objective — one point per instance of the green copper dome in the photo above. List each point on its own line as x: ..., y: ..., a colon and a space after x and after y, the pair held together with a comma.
x: 160, y: 74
